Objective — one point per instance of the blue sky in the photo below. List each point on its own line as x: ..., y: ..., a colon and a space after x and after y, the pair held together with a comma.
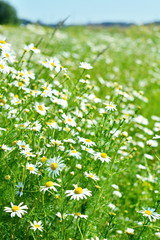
x: 88, y: 11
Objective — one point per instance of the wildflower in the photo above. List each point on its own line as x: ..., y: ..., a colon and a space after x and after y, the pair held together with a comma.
x: 27, y: 153
x: 32, y: 48
x: 49, y: 186
x: 102, y: 156
x: 52, y: 124
x: 117, y: 193
x: 157, y: 234
x: 69, y: 120
x: 150, y: 213
x: 16, y: 210
x: 41, y: 109
x: 130, y: 231
x: 78, y: 193
x: 75, y: 153
x: 79, y: 215
x: 20, y: 187
x: 55, y: 166
x: 61, y: 216
x: 87, y: 142
x: 152, y: 143
x: 85, y: 65
x: 110, y: 106
x: 37, y: 225
x: 92, y: 176
x: 32, y: 168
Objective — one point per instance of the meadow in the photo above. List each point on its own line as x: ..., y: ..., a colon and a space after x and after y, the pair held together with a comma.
x: 79, y: 133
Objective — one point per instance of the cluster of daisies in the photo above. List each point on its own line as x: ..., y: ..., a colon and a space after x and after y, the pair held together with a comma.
x: 62, y: 140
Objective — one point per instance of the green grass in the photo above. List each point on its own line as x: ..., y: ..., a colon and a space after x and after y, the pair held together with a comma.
x: 125, y: 72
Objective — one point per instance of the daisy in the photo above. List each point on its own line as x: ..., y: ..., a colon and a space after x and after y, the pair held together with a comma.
x: 85, y: 65
x: 55, y: 166
x: 40, y: 108
x: 37, y: 225
x: 32, y: 48
x: 32, y: 168
x: 69, y: 120
x: 75, y: 153
x: 110, y: 106
x: 92, y: 176
x: 49, y: 186
x: 79, y: 215
x: 87, y: 142
x: 129, y: 231
x: 52, y: 124
x: 102, y: 156
x: 90, y: 150
x: 78, y: 193
x: 150, y: 213
x: 20, y: 187
x: 27, y: 153
x: 16, y: 210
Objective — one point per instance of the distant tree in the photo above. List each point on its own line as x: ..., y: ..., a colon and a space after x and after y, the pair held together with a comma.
x: 8, y: 14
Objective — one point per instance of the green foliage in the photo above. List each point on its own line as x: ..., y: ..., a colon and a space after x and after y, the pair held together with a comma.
x: 8, y: 14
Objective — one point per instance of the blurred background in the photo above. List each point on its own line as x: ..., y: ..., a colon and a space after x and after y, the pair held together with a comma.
x: 80, y: 12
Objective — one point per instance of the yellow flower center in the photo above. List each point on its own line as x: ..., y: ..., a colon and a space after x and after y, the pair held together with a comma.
x: 7, y: 55
x: 41, y: 108
x: 15, y: 208
x: 91, y: 176
x: 37, y: 225
x: 31, y: 169
x: 78, y: 190
x: 23, y: 146
x: 49, y: 184
x: 53, y: 65
x: 54, y: 166
x: 69, y: 120
x: 74, y: 151
x: 45, y: 88
x: 88, y: 140
x: 103, y: 155
x: 77, y: 214
x: 148, y: 212
x: 21, y: 74
x: 3, y: 41
x: 1, y: 66
x: 20, y: 84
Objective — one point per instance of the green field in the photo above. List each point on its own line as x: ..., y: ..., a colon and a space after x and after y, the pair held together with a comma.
x: 80, y: 132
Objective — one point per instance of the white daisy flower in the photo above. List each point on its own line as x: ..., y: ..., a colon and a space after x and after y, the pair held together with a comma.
x: 32, y: 168
x: 40, y: 108
x: 92, y: 176
x: 16, y: 210
x: 110, y: 106
x: 85, y: 65
x: 129, y: 231
x: 75, y: 153
x: 69, y: 120
x: 49, y: 186
x: 37, y: 225
x: 150, y: 213
x: 78, y: 193
x: 78, y: 215
x: 90, y: 150
x: 55, y: 166
x: 52, y: 124
x: 103, y: 157
x: 87, y: 142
